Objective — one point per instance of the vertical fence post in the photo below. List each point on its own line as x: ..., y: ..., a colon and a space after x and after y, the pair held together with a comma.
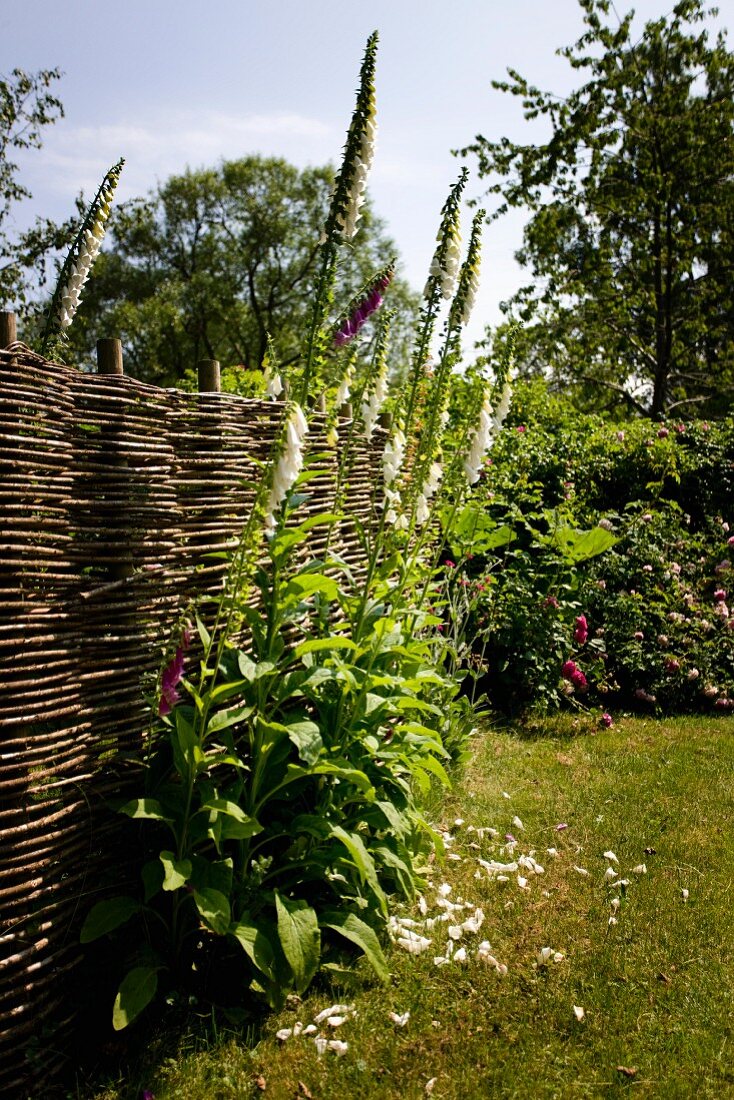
x: 210, y: 379
x: 8, y: 330
x: 109, y: 357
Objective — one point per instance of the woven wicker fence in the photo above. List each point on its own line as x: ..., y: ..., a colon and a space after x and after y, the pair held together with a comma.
x: 112, y: 495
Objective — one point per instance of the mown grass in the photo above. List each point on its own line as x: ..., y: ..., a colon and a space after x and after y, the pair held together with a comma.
x: 656, y: 988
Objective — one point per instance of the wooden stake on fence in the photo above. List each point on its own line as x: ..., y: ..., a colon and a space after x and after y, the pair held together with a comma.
x: 210, y: 378
x: 8, y: 330
x: 321, y: 403
x: 385, y: 420
x: 346, y: 412
x: 109, y: 357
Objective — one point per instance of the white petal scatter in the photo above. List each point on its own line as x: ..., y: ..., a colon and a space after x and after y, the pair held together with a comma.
x: 578, y: 1012
x: 334, y: 1010
x: 399, y: 1019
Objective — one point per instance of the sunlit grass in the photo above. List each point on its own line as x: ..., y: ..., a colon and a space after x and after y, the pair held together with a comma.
x: 656, y: 988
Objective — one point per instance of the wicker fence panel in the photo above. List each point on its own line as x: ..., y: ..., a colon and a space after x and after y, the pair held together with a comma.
x: 112, y: 495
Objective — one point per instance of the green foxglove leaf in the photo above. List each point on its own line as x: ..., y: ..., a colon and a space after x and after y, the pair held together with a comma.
x: 300, y: 938
x: 225, y: 718
x: 213, y: 909
x: 363, y: 861
x: 107, y: 915
x: 356, y: 931
x: 238, y: 825
x: 317, y: 645
x: 148, y: 808
x: 306, y: 736
x: 137, y: 990
x: 256, y: 944
x: 176, y: 873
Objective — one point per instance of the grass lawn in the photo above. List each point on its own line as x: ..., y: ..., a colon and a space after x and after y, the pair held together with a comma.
x: 656, y: 987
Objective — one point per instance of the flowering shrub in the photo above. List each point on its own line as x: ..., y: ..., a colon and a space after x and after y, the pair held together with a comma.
x: 643, y: 624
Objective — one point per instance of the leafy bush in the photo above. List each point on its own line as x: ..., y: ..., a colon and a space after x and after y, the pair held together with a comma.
x: 654, y: 501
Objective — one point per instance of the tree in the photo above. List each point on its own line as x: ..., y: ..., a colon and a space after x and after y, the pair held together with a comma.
x: 214, y: 262
x: 631, y: 238
x: 26, y: 106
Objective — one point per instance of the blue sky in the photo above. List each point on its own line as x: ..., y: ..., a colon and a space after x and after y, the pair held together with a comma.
x: 171, y: 83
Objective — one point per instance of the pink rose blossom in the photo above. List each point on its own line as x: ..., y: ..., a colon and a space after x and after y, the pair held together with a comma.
x: 720, y: 594
x: 579, y: 680
x: 639, y: 636
x: 693, y: 674
x: 581, y: 632
x: 620, y: 437
x: 671, y: 665
x: 730, y: 541
x: 663, y: 433
x: 607, y: 721
x: 568, y: 670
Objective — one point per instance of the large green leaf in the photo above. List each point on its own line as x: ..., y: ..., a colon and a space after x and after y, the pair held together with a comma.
x: 213, y: 909
x: 148, y: 808
x: 256, y: 944
x: 317, y: 645
x: 176, y: 873
x: 356, y: 931
x: 300, y: 938
x: 225, y: 718
x: 238, y: 824
x: 107, y: 915
x: 136, y: 991
x: 306, y: 736
x: 304, y: 585
x: 362, y: 859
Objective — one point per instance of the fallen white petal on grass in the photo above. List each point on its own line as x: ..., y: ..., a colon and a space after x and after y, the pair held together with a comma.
x: 684, y: 894
x: 522, y: 883
x: 284, y: 1034
x: 518, y: 823
x: 336, y: 1021
x: 413, y: 944
x: 338, y: 1046
x: 422, y: 906
x: 505, y: 794
x: 543, y: 955
x: 460, y: 956
x: 440, y: 960
x: 430, y: 1085
x: 558, y: 957
x: 502, y: 878
x: 454, y: 857
x: 335, y: 1010
x: 456, y: 931
x: 552, y: 851
x: 399, y: 1019
x: 459, y: 822
x: 612, y: 921
x: 581, y: 870
x: 310, y: 1029
x: 611, y: 856
x: 321, y: 1045
x: 493, y: 866
x: 640, y: 869
x: 610, y: 873
x: 578, y: 1012
x: 444, y: 890
x: 615, y: 904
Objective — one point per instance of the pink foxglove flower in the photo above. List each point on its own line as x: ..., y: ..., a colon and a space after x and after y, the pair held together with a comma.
x: 363, y: 310
x: 173, y: 675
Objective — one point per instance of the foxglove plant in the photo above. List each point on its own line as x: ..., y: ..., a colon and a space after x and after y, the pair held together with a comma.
x: 78, y: 263
x: 344, y: 212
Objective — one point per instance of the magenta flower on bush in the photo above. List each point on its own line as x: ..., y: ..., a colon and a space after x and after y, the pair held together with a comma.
x: 663, y: 433
x: 672, y: 665
x: 579, y: 680
x: 371, y: 302
x: 550, y: 601
x: 730, y: 541
x: 720, y: 594
x: 581, y: 632
x: 606, y: 720
x: 569, y: 668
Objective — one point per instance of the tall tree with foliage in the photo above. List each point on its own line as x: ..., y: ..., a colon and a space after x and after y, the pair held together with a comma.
x: 631, y: 238
x: 216, y: 261
x: 27, y: 105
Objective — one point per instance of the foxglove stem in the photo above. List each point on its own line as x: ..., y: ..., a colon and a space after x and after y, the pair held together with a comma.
x: 79, y: 260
